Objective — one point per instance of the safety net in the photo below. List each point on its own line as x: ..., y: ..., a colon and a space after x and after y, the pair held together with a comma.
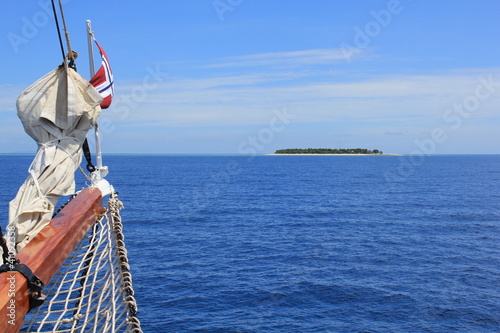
x: 92, y: 291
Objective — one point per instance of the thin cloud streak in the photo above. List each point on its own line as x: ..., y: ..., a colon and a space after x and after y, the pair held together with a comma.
x: 292, y: 87
x: 283, y: 59
x: 8, y: 97
x: 355, y: 110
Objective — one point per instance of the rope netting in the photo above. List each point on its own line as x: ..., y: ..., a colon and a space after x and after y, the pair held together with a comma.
x: 92, y: 291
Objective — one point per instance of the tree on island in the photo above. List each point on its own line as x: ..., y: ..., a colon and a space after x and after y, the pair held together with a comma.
x: 352, y: 151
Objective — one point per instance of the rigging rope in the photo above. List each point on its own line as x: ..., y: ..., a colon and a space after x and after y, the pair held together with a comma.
x: 58, y: 30
x: 71, y: 54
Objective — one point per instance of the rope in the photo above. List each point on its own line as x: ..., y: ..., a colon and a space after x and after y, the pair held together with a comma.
x: 58, y: 29
x: 71, y: 55
x: 87, y: 261
x: 35, y: 171
x: 92, y: 291
x: 38, y: 160
x: 116, y: 205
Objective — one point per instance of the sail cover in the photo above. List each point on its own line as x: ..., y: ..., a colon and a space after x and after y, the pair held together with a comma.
x: 57, y: 111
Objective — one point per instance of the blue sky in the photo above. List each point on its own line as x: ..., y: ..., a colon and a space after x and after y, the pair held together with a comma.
x: 253, y: 76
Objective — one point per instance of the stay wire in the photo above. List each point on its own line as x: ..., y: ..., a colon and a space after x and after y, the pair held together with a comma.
x: 58, y: 30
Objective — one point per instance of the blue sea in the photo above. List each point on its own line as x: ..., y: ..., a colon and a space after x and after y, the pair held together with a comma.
x: 307, y: 243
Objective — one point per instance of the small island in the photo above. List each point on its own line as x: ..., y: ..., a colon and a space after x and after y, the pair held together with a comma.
x: 327, y: 151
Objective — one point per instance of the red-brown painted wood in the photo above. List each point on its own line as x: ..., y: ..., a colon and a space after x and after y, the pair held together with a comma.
x: 45, y: 253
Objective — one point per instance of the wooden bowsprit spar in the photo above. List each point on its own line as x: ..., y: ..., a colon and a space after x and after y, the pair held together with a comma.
x: 45, y: 253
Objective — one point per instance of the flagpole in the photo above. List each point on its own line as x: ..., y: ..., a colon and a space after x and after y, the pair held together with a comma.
x: 91, y: 48
x: 99, y: 166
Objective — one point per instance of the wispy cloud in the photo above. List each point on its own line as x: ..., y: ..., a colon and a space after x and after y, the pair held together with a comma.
x: 240, y: 92
x: 283, y: 59
x: 414, y: 100
x: 304, y: 86
x: 8, y: 97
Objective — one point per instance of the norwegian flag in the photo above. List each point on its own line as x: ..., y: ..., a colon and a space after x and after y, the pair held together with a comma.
x: 103, y: 80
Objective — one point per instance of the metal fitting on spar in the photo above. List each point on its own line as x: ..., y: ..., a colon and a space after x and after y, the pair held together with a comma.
x: 254, y: 144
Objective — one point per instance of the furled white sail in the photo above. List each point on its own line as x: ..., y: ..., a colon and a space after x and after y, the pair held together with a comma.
x: 57, y: 111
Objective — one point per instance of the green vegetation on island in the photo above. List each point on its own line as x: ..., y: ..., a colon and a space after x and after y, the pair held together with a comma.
x: 328, y: 151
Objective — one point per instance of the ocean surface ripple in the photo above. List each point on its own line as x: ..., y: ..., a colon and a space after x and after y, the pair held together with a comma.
x: 308, y: 243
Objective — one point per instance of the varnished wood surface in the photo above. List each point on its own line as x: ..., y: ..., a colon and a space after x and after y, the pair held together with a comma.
x: 46, y: 252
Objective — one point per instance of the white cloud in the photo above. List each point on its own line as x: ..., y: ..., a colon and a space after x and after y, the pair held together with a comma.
x: 247, y: 99
x: 228, y: 94
x: 290, y: 58
x: 8, y: 97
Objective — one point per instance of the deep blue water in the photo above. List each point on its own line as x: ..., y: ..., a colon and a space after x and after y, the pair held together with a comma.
x: 308, y: 243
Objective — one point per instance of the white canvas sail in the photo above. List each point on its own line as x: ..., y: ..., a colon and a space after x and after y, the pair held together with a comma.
x: 57, y: 111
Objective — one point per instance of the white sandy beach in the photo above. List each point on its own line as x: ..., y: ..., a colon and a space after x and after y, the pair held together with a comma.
x: 334, y: 154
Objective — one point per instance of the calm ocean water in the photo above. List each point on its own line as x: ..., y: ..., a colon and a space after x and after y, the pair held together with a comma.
x: 308, y: 243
